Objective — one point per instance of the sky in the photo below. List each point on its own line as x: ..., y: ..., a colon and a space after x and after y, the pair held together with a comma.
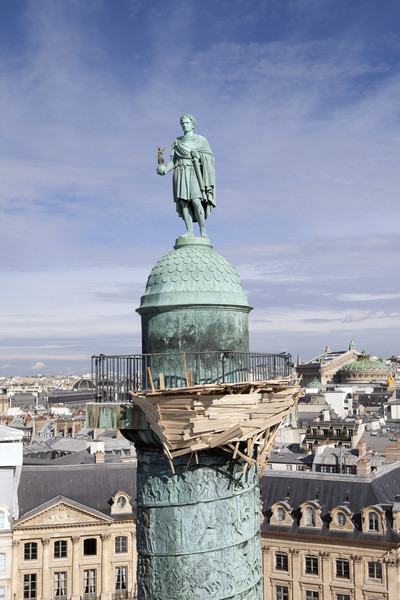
x: 299, y: 100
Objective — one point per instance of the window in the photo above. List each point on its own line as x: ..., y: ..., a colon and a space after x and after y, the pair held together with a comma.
x: 90, y: 547
x: 121, y: 544
x: 342, y: 597
x: 280, y: 513
x: 375, y: 570
x: 2, y: 562
x: 312, y: 595
x: 373, y: 522
x: 89, y: 581
x: 281, y: 561
x: 60, y: 585
x: 61, y: 549
x: 30, y: 551
x: 342, y: 568
x: 282, y: 592
x: 310, y: 517
x: 121, y: 578
x: 2, y: 519
x: 2, y: 592
x: 30, y: 586
x: 341, y: 518
x: 311, y: 565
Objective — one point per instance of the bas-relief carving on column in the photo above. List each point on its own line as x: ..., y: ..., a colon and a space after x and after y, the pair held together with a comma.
x: 198, y: 531
x: 207, y: 481
x: 225, y: 573
x: 198, y: 527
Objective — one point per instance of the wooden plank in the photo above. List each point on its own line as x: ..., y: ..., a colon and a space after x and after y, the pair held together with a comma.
x: 186, y: 370
x: 150, y: 378
x: 161, y: 380
x: 233, y: 431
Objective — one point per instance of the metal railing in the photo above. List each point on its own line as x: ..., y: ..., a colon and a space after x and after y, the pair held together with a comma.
x: 115, y: 375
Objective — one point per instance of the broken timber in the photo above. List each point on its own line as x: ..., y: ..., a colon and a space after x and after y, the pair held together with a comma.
x: 235, y: 417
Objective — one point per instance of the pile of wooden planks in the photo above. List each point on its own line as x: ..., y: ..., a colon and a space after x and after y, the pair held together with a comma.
x: 242, y: 419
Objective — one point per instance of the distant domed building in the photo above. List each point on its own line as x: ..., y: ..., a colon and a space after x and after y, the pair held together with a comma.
x: 364, y: 370
x: 83, y: 385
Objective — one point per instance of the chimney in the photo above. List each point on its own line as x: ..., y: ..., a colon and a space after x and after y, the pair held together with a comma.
x: 362, y: 448
x: 99, y: 457
x: 363, y: 466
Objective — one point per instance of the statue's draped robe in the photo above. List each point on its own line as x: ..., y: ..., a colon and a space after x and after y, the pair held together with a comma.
x: 185, y: 182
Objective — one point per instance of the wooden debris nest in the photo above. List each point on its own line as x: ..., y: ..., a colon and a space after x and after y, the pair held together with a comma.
x: 240, y: 418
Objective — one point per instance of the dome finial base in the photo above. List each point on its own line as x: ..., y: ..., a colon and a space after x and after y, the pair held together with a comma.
x: 192, y: 240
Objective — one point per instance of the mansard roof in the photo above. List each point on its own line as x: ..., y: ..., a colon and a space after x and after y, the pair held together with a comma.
x: 332, y: 490
x: 89, y: 485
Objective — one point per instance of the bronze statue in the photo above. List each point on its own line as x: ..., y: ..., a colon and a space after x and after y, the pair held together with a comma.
x: 193, y: 164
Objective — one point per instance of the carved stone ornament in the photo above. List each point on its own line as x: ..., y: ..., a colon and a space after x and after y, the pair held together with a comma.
x: 75, y: 539
x: 15, y: 543
x: 105, y: 537
x: 357, y: 558
x: 61, y: 514
x: 294, y: 551
x: 45, y: 541
x: 324, y: 555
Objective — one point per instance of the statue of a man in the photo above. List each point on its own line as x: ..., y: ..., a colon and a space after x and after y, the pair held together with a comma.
x: 194, y: 176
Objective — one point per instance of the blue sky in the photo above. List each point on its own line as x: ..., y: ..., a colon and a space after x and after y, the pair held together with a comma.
x: 299, y: 100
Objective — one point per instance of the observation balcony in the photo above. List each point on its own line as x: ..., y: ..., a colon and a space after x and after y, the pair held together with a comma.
x: 115, y: 375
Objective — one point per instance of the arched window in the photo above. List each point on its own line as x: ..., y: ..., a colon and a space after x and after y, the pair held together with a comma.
x: 2, y: 519
x: 310, y: 517
x: 280, y: 513
x: 373, y: 521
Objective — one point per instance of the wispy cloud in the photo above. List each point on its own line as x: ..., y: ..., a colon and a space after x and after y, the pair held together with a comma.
x: 299, y: 101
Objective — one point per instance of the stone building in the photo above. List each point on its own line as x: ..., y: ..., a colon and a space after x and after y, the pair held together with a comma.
x: 325, y: 367
x: 331, y: 537
x: 75, y: 537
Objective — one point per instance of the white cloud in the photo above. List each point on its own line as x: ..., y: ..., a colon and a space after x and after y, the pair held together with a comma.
x: 37, y: 366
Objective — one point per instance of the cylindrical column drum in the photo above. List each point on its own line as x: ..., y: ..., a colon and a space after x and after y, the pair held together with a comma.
x: 198, y: 530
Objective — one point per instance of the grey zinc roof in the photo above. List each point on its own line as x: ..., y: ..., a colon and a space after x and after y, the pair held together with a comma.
x: 356, y: 492
x: 90, y: 485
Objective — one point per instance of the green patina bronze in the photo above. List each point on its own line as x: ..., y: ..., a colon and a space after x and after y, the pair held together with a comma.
x: 194, y: 302
x: 198, y: 529
x: 192, y: 161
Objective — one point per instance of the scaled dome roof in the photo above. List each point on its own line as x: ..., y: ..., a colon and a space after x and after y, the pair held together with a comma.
x: 364, y: 363
x: 193, y: 274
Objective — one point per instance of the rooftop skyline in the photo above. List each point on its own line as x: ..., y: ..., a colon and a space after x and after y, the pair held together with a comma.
x: 299, y: 102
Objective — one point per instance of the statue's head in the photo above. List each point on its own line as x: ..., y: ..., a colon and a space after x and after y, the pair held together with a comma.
x: 191, y: 119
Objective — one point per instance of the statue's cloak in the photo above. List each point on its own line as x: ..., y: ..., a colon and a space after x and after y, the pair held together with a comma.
x: 185, y: 183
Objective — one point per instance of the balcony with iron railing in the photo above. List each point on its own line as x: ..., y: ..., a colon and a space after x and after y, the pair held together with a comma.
x: 115, y: 375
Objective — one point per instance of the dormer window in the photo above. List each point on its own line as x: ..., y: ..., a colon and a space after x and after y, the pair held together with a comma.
x: 311, y: 514
x: 281, y: 514
x: 341, y: 519
x: 121, y: 503
x: 373, y: 519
